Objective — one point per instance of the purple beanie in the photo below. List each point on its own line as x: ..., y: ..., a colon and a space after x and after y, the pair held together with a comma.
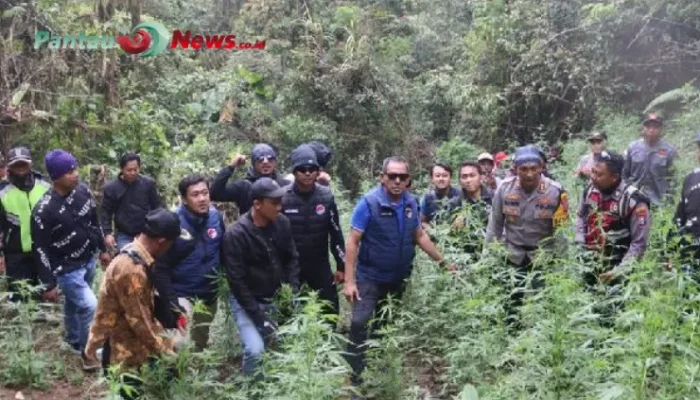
x: 59, y: 162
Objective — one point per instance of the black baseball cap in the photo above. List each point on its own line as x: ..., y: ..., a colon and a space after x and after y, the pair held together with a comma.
x: 653, y: 119
x: 19, y: 155
x: 266, y: 188
x: 597, y: 135
x: 161, y: 223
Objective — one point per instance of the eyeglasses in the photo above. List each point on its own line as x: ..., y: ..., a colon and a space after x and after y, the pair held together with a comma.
x: 306, y: 170
x: 401, y: 177
x: 266, y: 158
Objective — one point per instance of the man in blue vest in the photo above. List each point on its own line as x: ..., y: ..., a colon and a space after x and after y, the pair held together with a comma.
x: 18, y: 196
x: 385, y: 231
x: 188, y: 271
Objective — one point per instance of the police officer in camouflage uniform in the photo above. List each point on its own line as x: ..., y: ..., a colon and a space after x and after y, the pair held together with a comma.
x: 612, y: 220
x: 526, y: 211
x: 649, y: 162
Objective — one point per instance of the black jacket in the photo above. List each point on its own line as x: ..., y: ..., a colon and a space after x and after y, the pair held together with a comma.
x: 128, y: 204
x: 257, y: 261
x: 687, y: 217
x: 10, y: 239
x: 314, y: 217
x: 238, y: 191
x: 66, y: 232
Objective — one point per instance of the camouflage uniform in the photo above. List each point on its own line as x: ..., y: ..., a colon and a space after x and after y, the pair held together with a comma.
x: 125, y: 313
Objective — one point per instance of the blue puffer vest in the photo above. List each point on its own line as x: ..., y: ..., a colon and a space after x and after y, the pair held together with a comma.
x: 386, y: 253
x: 195, y: 275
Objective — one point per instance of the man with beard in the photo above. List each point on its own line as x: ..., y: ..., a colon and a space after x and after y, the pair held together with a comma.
x: 313, y: 215
x: 127, y: 200
x: 18, y: 197
x: 188, y: 271
x: 649, y: 162
x: 612, y: 220
x: 264, y: 159
x: 527, y: 210
x: 441, y: 194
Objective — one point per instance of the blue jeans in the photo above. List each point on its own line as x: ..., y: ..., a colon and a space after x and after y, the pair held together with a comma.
x: 80, y: 304
x: 253, y: 342
x: 122, y: 240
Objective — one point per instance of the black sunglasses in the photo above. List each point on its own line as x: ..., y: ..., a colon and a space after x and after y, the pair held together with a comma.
x: 269, y: 158
x: 402, y: 177
x: 306, y: 170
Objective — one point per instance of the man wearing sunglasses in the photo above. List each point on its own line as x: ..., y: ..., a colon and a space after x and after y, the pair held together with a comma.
x: 596, y: 140
x: 313, y: 215
x: 323, y: 156
x: 612, y: 220
x: 264, y: 159
x: 649, y: 162
x: 385, y: 231
x: 526, y: 211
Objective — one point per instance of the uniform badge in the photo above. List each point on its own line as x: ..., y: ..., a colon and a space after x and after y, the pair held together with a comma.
x: 661, y: 152
x: 211, y: 232
x: 614, y: 207
x: 409, y: 212
x: 642, y: 214
x: 320, y: 209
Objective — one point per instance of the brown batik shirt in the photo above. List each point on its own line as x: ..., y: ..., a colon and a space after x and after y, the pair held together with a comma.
x: 125, y: 315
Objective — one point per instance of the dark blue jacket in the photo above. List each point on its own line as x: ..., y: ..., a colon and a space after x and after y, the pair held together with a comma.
x: 386, y: 254
x: 190, y: 267
x: 432, y: 202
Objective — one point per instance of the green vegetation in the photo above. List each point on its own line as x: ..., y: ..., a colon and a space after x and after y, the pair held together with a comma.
x: 372, y: 78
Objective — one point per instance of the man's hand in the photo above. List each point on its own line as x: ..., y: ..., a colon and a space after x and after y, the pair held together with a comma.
x: 105, y: 259
x: 324, y: 178
x: 238, y: 160
x: 351, y: 293
x: 269, y: 328
x: 50, y: 296
x: 606, y: 276
x: 110, y: 242
x: 459, y: 222
x: 338, y: 277
x: 2, y: 265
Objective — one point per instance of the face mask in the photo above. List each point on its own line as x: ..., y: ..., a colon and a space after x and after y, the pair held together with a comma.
x: 21, y: 181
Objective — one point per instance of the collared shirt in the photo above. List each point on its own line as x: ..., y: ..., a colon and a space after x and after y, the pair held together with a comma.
x: 528, y: 218
x: 125, y: 312
x: 650, y: 168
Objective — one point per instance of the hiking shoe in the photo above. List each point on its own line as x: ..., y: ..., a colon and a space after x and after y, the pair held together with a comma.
x: 90, y: 365
x: 71, y: 348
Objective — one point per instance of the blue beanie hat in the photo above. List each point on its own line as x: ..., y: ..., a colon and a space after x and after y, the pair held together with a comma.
x: 527, y: 154
x: 59, y: 162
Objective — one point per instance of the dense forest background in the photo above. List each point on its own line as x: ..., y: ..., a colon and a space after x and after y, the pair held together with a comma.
x: 431, y: 80
x: 372, y: 78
